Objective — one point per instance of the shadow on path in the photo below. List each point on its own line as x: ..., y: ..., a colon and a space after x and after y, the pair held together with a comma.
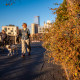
x: 27, y: 68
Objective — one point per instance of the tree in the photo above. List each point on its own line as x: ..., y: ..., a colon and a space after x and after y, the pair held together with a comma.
x: 10, y: 2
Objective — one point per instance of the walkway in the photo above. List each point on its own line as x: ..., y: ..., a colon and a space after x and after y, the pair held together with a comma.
x: 28, y: 68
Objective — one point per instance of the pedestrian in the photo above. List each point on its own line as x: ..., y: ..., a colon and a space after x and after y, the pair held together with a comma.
x: 3, y: 37
x: 25, y: 39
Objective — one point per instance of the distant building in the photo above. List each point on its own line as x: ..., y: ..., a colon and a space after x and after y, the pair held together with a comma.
x: 43, y: 28
x: 34, y: 28
x: 35, y: 25
x: 37, y: 20
x: 11, y: 31
x: 37, y: 30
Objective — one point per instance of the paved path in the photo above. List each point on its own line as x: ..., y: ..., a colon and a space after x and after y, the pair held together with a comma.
x: 28, y: 68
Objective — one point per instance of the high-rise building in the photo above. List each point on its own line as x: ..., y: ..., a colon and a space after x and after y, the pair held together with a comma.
x: 34, y: 26
x: 37, y: 20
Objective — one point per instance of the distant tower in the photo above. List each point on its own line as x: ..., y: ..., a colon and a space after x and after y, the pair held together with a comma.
x: 37, y: 20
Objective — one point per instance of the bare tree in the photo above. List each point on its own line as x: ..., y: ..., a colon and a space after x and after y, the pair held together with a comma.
x: 10, y: 2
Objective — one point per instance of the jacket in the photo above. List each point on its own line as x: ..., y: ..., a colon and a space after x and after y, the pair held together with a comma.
x: 23, y: 32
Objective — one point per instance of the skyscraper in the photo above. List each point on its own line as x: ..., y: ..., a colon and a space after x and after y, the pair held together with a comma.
x: 37, y: 20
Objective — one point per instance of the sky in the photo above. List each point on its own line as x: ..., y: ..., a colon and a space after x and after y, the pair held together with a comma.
x: 24, y: 11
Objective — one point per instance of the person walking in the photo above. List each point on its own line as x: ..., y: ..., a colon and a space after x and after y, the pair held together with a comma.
x: 25, y: 39
x: 3, y: 37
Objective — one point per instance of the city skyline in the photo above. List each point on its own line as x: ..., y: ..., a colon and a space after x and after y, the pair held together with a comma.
x: 25, y: 11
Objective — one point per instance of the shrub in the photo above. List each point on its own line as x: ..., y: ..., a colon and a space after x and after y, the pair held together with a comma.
x: 63, y: 41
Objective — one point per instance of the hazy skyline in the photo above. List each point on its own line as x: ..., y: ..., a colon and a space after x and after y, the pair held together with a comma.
x: 25, y: 10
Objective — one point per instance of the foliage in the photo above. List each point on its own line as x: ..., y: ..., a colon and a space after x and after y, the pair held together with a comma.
x: 63, y: 40
x: 36, y: 37
x: 10, y: 2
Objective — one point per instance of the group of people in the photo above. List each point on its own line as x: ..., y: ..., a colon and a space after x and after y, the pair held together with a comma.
x: 25, y: 39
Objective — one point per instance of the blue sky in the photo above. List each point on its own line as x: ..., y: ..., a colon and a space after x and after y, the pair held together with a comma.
x: 25, y: 10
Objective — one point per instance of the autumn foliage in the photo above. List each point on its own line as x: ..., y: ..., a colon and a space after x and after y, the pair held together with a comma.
x: 62, y: 42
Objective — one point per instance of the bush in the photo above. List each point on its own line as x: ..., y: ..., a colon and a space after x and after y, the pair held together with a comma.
x: 63, y: 41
